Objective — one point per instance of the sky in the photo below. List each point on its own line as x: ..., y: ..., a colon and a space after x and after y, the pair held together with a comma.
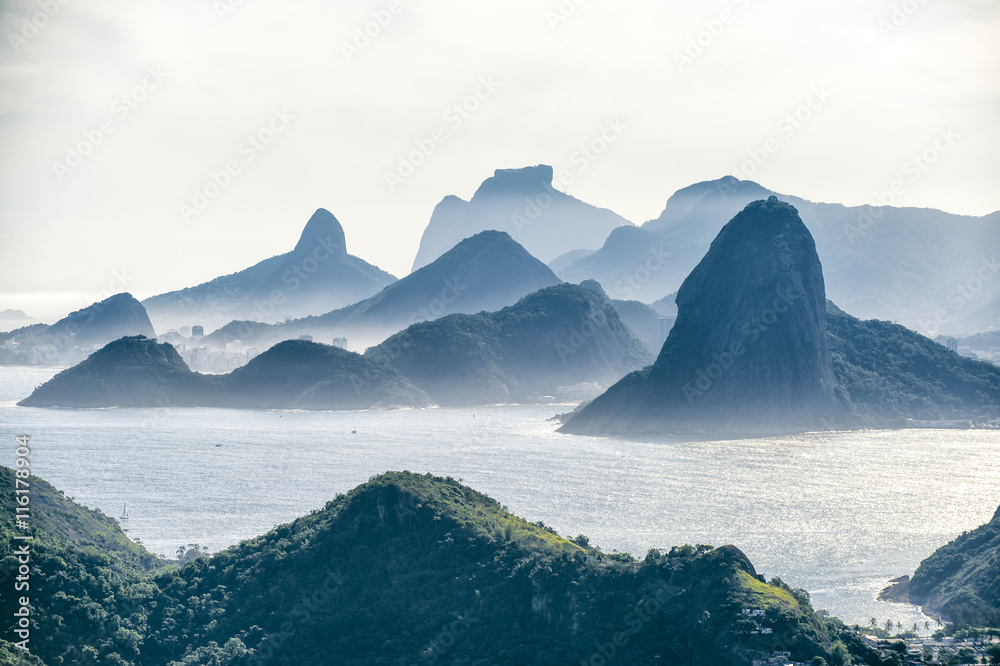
x: 151, y: 145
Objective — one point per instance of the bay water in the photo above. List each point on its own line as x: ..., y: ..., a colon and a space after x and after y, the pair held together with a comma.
x: 835, y: 513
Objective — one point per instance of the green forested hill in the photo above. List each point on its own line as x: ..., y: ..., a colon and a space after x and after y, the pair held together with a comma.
x: 888, y: 373
x: 961, y: 580
x: 87, y: 578
x: 405, y: 569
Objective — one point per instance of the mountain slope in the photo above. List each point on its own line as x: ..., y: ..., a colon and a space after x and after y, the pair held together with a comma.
x: 961, y: 580
x: 403, y: 569
x: 71, y: 338
x: 138, y: 372
x: 130, y: 372
x: 561, y: 335
x: 929, y: 270
x: 414, y: 569
x: 318, y: 275
x: 305, y: 375
x: 887, y: 373
x: 485, y: 272
x: 523, y: 203
x: 748, y: 351
x: 86, y: 576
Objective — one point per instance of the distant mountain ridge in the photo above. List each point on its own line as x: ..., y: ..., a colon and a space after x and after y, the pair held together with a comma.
x: 524, y: 204
x: 561, y: 335
x: 70, y: 339
x: 557, y: 336
x: 317, y: 276
x: 139, y: 372
x: 920, y: 267
x: 486, y: 271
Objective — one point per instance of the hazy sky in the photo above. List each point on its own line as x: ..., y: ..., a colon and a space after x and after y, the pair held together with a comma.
x: 153, y: 96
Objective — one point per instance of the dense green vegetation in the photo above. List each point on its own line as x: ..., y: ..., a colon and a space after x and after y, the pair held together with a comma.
x: 888, y: 373
x: 405, y: 569
x: 558, y: 336
x: 961, y: 580
x: 87, y: 579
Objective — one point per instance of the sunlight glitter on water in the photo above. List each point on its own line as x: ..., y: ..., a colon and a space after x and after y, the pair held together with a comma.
x: 838, y: 514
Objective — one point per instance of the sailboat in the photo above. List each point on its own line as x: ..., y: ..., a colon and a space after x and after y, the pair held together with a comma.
x: 124, y: 515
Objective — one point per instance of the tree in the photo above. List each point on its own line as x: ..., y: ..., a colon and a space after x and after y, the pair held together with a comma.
x: 993, y: 652
x: 888, y: 626
x: 839, y: 655
x: 967, y: 655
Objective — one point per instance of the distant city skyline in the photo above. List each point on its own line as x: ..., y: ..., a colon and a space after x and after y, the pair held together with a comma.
x: 150, y: 147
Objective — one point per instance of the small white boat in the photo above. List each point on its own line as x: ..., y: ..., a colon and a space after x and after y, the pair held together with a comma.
x: 124, y: 515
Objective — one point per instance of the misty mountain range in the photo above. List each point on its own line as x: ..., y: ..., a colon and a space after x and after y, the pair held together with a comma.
x: 484, y: 272
x: 756, y: 348
x: 318, y: 275
x: 929, y: 270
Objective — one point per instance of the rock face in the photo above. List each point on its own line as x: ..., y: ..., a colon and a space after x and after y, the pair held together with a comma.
x: 485, y: 272
x: 903, y: 264
x: 523, y: 203
x: 748, y: 352
x: 317, y: 276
